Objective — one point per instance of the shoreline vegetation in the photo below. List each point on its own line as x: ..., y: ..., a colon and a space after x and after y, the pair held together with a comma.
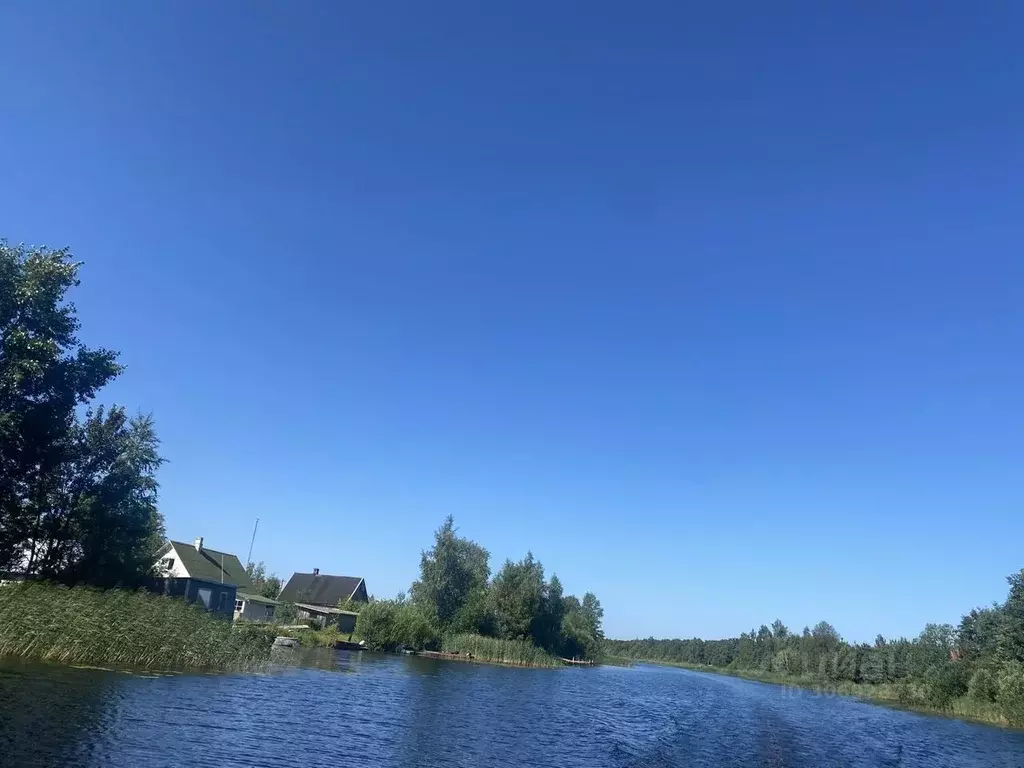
x: 973, y: 671
x: 492, y: 650
x: 120, y: 628
x: 517, y: 617
x: 886, y: 694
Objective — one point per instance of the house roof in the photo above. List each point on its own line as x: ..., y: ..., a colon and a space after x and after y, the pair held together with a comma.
x: 253, y: 597
x: 326, y: 609
x: 206, y: 565
x: 317, y: 589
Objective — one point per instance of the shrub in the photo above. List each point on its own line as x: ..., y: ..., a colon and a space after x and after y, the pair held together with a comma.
x: 945, y: 682
x: 318, y: 638
x: 576, y: 641
x: 984, y: 686
x: 1011, y: 692
x: 412, y: 628
x: 905, y: 692
x: 348, y: 604
x: 387, y: 624
x: 286, y: 613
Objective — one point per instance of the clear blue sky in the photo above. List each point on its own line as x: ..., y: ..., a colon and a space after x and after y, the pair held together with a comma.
x: 720, y: 311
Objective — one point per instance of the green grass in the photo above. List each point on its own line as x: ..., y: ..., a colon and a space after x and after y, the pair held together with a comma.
x: 903, y: 695
x: 517, y: 653
x: 119, y: 628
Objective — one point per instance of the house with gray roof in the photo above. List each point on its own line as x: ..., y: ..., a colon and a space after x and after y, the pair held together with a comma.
x: 318, y: 596
x: 216, y: 580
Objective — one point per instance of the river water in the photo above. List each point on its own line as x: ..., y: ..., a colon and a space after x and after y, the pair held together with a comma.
x: 363, y: 709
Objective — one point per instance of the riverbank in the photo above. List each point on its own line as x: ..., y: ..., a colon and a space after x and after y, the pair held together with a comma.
x: 899, y: 695
x: 137, y: 630
x: 514, y: 653
x: 121, y: 628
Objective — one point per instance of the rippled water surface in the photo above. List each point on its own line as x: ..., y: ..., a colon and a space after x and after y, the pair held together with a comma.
x: 370, y: 710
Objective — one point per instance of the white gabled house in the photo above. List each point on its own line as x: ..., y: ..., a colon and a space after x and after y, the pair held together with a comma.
x: 216, y: 580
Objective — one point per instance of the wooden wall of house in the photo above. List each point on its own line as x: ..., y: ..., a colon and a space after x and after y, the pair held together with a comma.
x: 303, y: 615
x: 189, y: 590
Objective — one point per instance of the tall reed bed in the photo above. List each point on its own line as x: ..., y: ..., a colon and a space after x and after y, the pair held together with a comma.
x: 121, y: 628
x: 519, y: 653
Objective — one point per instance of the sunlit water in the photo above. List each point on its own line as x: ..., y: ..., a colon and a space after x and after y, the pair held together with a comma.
x: 374, y: 710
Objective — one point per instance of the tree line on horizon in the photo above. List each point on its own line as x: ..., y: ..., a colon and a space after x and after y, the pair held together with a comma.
x: 457, y: 595
x: 78, y: 488
x: 982, y: 658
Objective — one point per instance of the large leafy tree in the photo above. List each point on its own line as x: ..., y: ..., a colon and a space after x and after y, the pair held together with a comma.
x: 978, y: 634
x: 101, y: 523
x: 453, y: 578
x: 546, y: 627
x: 77, y: 496
x: 1011, y: 631
x: 517, y: 595
x: 593, y: 613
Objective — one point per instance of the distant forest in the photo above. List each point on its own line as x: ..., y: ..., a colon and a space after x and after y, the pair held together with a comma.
x: 982, y: 658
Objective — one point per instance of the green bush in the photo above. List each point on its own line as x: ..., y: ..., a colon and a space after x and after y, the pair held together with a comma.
x: 318, y: 638
x: 286, y: 613
x: 348, y: 604
x: 82, y: 625
x: 576, y: 641
x: 386, y: 625
x: 1011, y: 692
x: 412, y: 628
x: 984, y: 686
x: 905, y: 693
x: 945, y: 682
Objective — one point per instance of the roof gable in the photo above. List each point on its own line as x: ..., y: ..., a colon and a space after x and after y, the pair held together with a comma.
x: 211, y: 565
x: 317, y: 589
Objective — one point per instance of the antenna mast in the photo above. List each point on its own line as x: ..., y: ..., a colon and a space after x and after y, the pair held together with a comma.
x: 248, y: 560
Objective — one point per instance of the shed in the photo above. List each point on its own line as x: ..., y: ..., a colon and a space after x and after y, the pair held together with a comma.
x: 250, y: 606
x: 345, y: 621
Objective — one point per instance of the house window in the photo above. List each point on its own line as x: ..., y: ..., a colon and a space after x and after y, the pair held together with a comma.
x: 270, y: 611
x: 223, y: 604
x: 167, y: 563
x: 205, y: 596
x: 238, y: 606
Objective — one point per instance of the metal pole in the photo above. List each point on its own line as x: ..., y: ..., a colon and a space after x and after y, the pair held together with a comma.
x: 248, y: 560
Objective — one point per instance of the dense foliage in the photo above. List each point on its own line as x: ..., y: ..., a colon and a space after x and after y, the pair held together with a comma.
x: 77, y: 491
x: 83, y: 625
x: 455, y: 597
x: 262, y: 584
x: 981, y: 659
x: 391, y: 624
